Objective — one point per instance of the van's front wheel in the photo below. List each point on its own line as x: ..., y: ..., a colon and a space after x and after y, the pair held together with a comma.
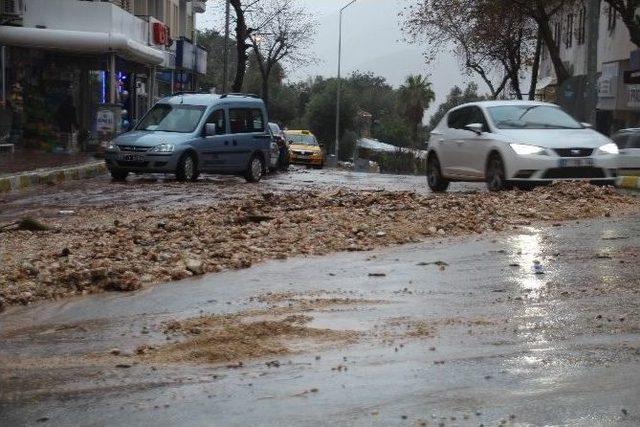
x: 187, y: 169
x: 255, y: 170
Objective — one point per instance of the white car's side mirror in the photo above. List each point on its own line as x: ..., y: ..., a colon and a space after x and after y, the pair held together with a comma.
x: 587, y: 125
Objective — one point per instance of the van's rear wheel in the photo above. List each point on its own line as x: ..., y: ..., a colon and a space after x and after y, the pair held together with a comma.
x: 255, y: 169
x: 187, y: 169
x: 435, y: 180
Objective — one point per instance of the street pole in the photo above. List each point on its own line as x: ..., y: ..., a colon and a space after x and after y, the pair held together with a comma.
x: 593, y: 20
x: 226, y: 47
x: 337, y: 144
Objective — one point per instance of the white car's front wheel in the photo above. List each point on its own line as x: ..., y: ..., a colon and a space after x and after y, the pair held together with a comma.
x: 495, y: 175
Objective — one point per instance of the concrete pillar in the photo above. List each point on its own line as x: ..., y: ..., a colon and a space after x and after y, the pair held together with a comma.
x: 593, y: 30
x: 112, y: 79
x: 152, y: 87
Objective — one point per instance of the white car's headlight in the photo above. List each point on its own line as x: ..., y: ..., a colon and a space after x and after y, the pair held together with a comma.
x: 609, y: 149
x: 524, y: 149
x: 163, y: 148
x: 111, y: 146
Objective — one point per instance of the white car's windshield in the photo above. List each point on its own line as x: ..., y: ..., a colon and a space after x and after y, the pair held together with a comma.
x: 172, y: 118
x: 532, y: 117
x: 301, y: 139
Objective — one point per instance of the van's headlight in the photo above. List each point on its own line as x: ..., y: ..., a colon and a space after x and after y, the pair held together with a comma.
x: 609, y: 149
x: 111, y: 146
x: 163, y: 148
x: 524, y: 149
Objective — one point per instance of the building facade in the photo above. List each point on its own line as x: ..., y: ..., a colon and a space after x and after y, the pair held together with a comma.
x: 76, y: 71
x: 618, y: 68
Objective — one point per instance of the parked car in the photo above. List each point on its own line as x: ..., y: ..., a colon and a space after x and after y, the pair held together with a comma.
x: 305, y: 149
x: 628, y: 141
x: 517, y: 143
x: 190, y: 134
x: 284, y: 157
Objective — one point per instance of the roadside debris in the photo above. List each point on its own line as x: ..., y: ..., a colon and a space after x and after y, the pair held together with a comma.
x: 117, y: 248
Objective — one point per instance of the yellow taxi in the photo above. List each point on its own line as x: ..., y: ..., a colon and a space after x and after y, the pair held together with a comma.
x: 304, y: 148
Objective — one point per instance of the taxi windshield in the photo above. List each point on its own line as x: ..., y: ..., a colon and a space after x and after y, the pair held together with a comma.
x: 301, y: 139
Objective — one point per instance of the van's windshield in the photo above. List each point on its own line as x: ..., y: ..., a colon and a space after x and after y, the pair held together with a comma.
x: 172, y: 118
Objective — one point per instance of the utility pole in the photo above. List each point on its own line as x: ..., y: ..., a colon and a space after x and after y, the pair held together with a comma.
x: 226, y: 47
x: 337, y: 144
x: 591, y: 88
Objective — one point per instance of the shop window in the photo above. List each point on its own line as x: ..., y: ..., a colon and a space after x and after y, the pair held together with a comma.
x: 582, y: 26
x: 558, y: 34
x: 612, y: 18
x: 568, y: 38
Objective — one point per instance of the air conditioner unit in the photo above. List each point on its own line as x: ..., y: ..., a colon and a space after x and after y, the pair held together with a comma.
x: 12, y: 7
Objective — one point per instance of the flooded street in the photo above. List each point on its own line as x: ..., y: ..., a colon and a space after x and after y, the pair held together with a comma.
x: 538, y: 325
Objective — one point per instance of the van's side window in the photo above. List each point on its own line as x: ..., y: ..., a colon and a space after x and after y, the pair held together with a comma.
x: 245, y: 120
x: 218, y: 119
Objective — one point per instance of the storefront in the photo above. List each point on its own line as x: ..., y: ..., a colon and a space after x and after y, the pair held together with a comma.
x: 54, y: 100
x: 619, y: 95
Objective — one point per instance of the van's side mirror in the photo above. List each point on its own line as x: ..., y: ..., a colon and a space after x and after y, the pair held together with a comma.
x: 476, y: 128
x: 210, y: 129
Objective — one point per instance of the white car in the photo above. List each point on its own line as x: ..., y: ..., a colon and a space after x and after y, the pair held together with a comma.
x: 517, y: 143
x: 628, y: 141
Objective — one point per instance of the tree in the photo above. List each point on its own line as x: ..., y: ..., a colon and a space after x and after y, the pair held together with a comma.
x: 320, y: 114
x: 285, y: 35
x: 415, y: 97
x: 543, y: 12
x: 213, y: 42
x: 489, y: 36
x: 627, y: 10
x: 456, y: 97
x: 243, y: 32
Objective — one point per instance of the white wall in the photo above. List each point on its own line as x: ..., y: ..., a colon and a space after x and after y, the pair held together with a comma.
x: 76, y: 15
x: 612, y: 46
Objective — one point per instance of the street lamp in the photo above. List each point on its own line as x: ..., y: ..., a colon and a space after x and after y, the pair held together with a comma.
x: 337, y: 146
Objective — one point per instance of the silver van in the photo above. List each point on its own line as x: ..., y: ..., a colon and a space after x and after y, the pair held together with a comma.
x: 191, y: 134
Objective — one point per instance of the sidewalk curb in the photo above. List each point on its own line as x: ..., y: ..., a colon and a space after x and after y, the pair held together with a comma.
x: 26, y: 180
x: 628, y: 182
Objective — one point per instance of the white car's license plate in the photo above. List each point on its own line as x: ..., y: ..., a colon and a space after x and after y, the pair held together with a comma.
x: 130, y: 158
x: 576, y: 163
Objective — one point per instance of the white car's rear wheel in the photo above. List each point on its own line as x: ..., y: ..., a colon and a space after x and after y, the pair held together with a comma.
x: 434, y: 175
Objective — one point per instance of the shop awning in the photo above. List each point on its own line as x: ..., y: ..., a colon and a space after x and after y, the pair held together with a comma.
x: 83, y: 42
x: 544, y: 83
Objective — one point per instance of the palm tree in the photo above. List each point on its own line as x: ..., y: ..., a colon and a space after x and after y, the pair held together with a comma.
x: 415, y: 97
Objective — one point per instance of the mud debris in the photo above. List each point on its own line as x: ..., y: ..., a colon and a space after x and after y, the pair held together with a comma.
x: 124, y: 249
x: 236, y: 337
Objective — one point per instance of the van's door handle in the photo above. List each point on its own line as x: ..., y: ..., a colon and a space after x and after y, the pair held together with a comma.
x: 235, y: 142
x: 226, y: 143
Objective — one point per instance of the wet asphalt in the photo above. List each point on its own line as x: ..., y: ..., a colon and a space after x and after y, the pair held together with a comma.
x: 510, y: 347
x: 159, y: 191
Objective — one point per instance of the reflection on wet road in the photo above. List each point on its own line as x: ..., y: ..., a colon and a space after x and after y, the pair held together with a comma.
x: 496, y: 343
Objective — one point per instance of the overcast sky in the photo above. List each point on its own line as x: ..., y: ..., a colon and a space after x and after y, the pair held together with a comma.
x: 372, y: 41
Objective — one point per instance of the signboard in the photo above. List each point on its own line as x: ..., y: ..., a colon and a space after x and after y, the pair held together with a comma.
x: 632, y: 77
x: 607, y: 81
x: 633, y: 96
x: 105, y: 121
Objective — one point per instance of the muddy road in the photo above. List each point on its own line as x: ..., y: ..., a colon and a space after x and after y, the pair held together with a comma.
x: 158, y: 191
x: 457, y: 331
